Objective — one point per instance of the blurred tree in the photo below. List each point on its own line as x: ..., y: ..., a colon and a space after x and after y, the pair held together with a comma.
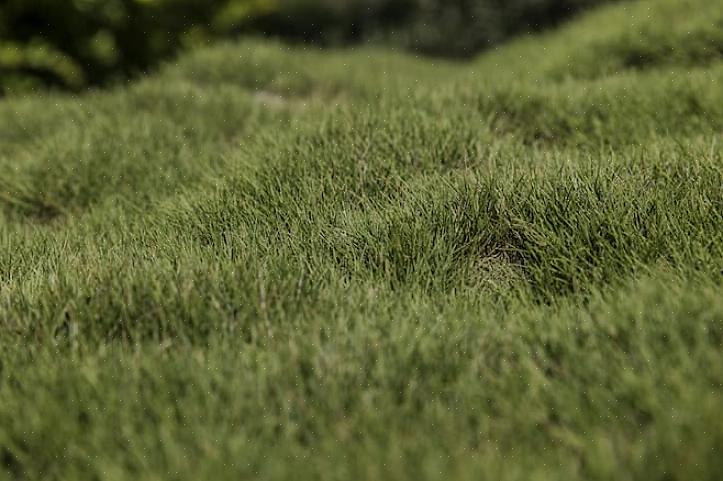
x: 74, y: 43
x: 101, y: 37
x: 464, y: 27
x: 329, y: 22
x: 440, y: 27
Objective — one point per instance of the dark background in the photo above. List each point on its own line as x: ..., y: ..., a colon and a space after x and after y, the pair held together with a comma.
x: 73, y: 44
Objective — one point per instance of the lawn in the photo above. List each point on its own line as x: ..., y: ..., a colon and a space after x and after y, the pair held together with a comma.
x: 272, y: 262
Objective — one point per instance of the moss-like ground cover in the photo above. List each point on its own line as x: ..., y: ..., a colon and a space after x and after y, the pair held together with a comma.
x: 274, y: 263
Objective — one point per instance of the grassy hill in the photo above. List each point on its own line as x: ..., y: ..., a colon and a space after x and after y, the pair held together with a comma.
x: 276, y: 263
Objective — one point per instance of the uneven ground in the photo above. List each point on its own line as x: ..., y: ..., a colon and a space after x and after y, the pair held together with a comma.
x: 273, y: 263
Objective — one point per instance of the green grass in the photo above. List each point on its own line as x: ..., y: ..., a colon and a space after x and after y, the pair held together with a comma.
x: 274, y: 263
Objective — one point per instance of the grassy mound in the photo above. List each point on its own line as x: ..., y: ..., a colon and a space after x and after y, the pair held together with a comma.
x: 285, y: 263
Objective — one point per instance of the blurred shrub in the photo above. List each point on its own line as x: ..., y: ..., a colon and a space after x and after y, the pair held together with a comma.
x: 74, y: 43
x: 330, y: 22
x: 464, y: 27
x: 457, y: 28
x: 90, y: 41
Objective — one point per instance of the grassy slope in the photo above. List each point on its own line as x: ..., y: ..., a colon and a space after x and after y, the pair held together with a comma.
x: 359, y: 265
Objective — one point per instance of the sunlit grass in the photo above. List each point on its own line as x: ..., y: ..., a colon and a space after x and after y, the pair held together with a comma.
x: 279, y: 263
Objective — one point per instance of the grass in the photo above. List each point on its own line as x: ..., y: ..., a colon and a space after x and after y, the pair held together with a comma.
x: 275, y: 263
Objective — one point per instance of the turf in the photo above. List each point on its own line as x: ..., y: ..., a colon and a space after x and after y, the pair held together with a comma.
x: 266, y: 262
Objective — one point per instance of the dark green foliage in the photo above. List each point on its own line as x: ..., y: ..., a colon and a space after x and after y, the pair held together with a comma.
x: 462, y: 28
x: 75, y: 43
x: 456, y: 28
x: 99, y: 38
